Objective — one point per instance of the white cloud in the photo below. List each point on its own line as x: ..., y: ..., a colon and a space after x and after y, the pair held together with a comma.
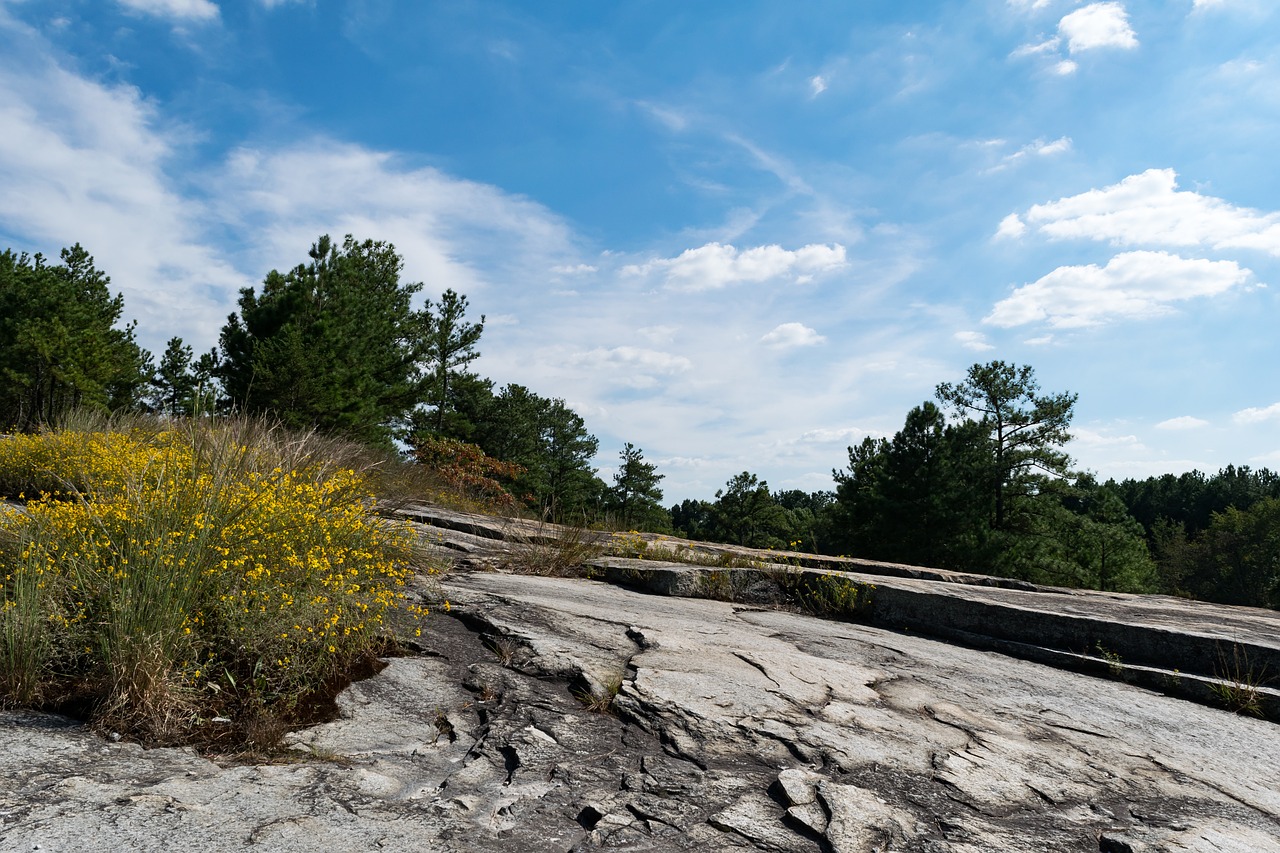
x: 1148, y: 209
x: 1133, y: 285
x: 790, y: 335
x: 1011, y: 227
x: 83, y: 161
x: 1184, y: 422
x: 573, y: 269
x: 1097, y: 25
x: 1257, y: 416
x: 1038, y: 148
x: 185, y: 10
x: 975, y: 341
x: 1092, y: 439
x: 1049, y: 45
x: 817, y: 85
x: 1208, y: 4
x: 717, y: 265
x: 1065, y: 67
x: 1023, y: 5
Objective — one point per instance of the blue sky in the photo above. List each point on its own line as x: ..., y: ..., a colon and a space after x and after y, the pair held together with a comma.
x: 740, y: 235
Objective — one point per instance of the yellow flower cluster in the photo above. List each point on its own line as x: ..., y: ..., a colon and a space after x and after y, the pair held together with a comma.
x: 221, y: 571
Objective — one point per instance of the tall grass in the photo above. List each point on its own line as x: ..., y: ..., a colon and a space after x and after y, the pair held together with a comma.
x: 189, y: 582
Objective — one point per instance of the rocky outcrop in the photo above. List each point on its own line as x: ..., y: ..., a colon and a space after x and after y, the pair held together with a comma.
x: 716, y: 726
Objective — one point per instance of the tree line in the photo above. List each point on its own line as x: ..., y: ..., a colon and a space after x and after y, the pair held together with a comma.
x: 977, y: 479
x: 334, y: 344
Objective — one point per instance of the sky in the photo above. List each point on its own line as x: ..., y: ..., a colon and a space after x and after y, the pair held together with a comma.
x: 739, y: 235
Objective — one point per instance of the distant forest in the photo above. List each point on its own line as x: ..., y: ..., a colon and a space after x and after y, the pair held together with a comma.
x: 976, y: 480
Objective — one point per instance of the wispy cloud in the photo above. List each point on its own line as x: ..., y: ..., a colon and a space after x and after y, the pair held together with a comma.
x: 718, y: 265
x: 178, y: 10
x: 1133, y: 285
x: 817, y: 85
x: 975, y: 341
x: 1038, y: 148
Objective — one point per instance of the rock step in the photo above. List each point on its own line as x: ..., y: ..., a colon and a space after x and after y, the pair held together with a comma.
x: 1210, y: 653
x: 1202, y: 665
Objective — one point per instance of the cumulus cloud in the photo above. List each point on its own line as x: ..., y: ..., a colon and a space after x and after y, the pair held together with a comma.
x: 1148, y: 209
x: 717, y: 265
x: 181, y: 10
x: 975, y: 341
x: 817, y: 85
x: 573, y: 269
x: 790, y: 335
x: 1184, y: 422
x: 1097, y: 25
x: 1257, y: 416
x: 1011, y: 227
x: 1133, y: 285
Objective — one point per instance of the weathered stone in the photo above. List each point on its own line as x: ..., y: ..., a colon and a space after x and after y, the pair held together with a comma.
x: 736, y: 728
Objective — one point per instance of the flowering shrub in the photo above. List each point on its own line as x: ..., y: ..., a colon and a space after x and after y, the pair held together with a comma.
x: 185, y: 585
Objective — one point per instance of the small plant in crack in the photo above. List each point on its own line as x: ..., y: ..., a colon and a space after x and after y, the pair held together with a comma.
x: 1115, y: 664
x: 1239, y: 682
x: 601, y: 701
x: 504, y: 648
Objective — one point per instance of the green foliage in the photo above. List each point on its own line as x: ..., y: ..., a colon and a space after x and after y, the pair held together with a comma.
x: 746, y: 513
x: 550, y: 442
x: 1026, y: 429
x: 922, y: 497
x: 62, y: 346
x: 183, y: 385
x: 635, y: 496
x: 1237, y: 560
x: 449, y: 345
x: 332, y: 345
x: 830, y: 595
x: 1192, y: 498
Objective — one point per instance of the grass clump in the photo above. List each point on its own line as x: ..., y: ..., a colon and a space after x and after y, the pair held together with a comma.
x: 200, y: 582
x: 1239, y: 682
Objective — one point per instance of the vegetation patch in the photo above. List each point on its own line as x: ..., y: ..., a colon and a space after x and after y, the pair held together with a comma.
x: 210, y: 583
x: 1239, y: 683
x: 830, y: 595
